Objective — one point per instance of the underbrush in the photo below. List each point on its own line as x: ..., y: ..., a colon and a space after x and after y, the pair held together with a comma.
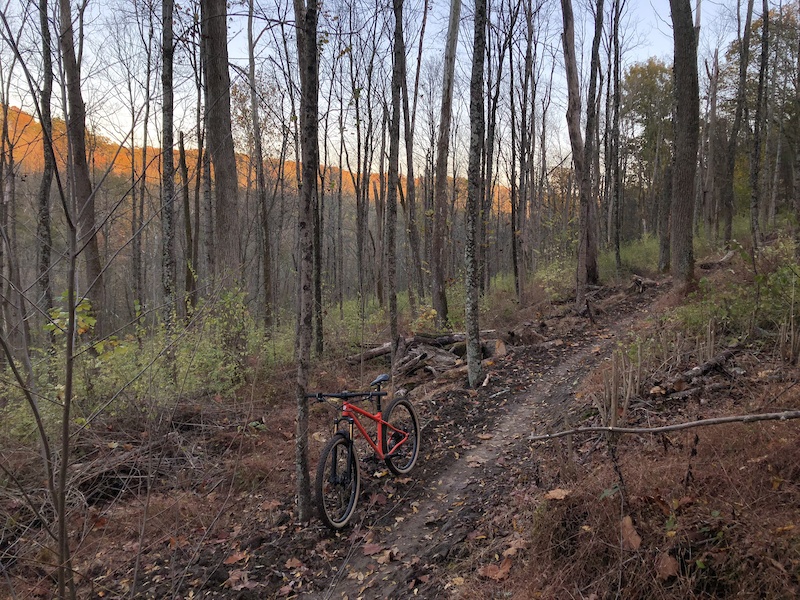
x: 695, y: 515
x: 703, y: 513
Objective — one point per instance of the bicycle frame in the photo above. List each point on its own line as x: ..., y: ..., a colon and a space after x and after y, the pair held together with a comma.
x: 350, y: 414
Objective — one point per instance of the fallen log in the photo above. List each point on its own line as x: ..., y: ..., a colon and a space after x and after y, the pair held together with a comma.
x: 689, y: 379
x: 640, y: 284
x: 714, y: 264
x: 404, y: 344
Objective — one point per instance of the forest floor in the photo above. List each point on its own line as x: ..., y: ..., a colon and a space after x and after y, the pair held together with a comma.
x: 487, y: 512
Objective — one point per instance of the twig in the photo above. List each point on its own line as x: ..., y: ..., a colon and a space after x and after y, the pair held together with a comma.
x: 781, y: 416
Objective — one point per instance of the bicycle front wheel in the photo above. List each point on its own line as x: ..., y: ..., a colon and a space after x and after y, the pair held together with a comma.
x: 401, y: 437
x: 338, y: 482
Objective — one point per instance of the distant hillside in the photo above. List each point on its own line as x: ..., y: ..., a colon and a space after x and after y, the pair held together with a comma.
x: 25, y: 133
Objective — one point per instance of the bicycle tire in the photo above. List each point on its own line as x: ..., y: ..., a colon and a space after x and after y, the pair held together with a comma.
x: 338, y: 482
x: 401, y: 414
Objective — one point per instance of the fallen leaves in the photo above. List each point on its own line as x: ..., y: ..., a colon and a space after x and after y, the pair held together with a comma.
x: 631, y: 540
x: 666, y: 566
x: 236, y: 557
x: 239, y: 580
x: 370, y: 549
x: 497, y: 572
x: 515, y: 546
x: 557, y: 494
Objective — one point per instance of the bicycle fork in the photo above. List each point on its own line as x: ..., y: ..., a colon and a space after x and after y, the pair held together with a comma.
x: 344, y: 479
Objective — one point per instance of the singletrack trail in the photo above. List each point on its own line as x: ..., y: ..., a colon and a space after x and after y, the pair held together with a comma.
x: 399, y: 548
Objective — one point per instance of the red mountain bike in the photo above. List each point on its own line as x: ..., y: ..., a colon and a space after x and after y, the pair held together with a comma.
x: 396, y: 441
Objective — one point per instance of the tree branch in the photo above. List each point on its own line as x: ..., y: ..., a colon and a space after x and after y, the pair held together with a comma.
x: 780, y: 416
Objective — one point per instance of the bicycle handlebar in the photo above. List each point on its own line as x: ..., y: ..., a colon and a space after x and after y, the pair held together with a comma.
x: 345, y: 395
x: 321, y: 396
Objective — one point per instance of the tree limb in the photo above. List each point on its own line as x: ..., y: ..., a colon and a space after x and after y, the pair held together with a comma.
x: 781, y: 416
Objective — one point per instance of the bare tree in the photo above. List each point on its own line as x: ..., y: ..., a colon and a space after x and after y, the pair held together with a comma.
x: 261, y: 181
x: 582, y: 154
x: 168, y: 275
x: 220, y: 140
x: 43, y: 230
x: 393, y: 175
x: 687, y: 132
x: 438, y: 275
x: 306, y: 17
x: 78, y: 173
x: 730, y: 158
x: 758, y: 126
x: 410, y: 200
x: 475, y: 185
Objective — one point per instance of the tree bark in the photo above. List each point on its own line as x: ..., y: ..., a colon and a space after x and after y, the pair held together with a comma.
x: 306, y: 25
x: 227, y: 259
x: 582, y: 154
x: 474, y: 186
x: 687, y: 130
x: 261, y: 181
x: 190, y: 275
x: 755, y: 158
x: 728, y: 198
x: 393, y: 175
x: 43, y: 230
x: 438, y: 275
x: 80, y: 183
x: 409, y: 120
x: 168, y: 275
x: 592, y: 156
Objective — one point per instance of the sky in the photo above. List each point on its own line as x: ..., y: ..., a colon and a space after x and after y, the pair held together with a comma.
x: 646, y: 29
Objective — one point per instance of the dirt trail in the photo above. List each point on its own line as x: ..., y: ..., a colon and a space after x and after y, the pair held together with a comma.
x: 393, y: 556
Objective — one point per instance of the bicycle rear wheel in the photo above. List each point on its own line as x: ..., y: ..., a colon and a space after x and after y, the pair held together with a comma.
x: 338, y: 482
x: 401, y: 437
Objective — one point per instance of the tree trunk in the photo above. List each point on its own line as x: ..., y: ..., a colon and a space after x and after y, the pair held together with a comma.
x: 190, y: 275
x: 581, y: 155
x: 574, y: 122
x: 587, y: 245
x: 728, y: 197
x: 755, y: 157
x: 306, y: 25
x: 43, y: 230
x: 474, y: 187
x: 710, y: 208
x: 687, y: 129
x: 438, y: 275
x: 227, y: 260
x: 416, y: 277
x: 393, y: 176
x: 78, y: 170
x: 615, y: 141
x: 261, y: 182
x: 168, y: 275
